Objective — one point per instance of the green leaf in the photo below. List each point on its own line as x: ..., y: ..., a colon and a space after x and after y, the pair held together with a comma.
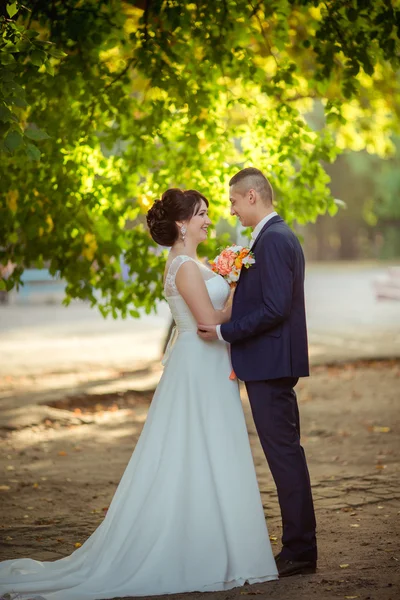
x: 56, y: 52
x: 19, y: 101
x: 332, y: 209
x: 13, y: 237
x: 6, y: 58
x: 39, y: 263
x: 31, y: 33
x: 5, y: 113
x: 12, y: 9
x: 351, y: 14
x: 390, y: 47
x: 332, y: 117
x: 49, y: 68
x: 23, y: 45
x: 33, y: 152
x: 6, y: 75
x: 37, y: 57
x: 366, y: 61
x: 36, y: 134
x: 13, y: 140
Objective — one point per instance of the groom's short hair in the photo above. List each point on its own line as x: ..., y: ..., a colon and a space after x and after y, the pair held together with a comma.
x: 251, y: 178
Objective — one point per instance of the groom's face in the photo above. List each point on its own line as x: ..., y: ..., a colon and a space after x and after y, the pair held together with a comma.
x: 241, y: 206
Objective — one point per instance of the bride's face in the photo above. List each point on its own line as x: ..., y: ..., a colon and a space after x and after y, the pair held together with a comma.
x: 197, y: 226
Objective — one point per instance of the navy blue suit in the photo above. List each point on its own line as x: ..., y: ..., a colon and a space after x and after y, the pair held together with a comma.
x: 268, y: 338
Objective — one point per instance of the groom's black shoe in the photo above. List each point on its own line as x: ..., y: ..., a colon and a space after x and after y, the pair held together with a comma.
x: 286, y: 568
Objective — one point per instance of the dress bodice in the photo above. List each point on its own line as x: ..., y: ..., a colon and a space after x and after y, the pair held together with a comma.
x: 217, y: 287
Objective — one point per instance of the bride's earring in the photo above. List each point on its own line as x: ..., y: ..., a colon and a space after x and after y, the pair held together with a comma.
x: 183, y: 234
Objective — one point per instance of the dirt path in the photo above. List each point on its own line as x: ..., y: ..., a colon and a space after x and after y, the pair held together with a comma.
x: 60, y: 473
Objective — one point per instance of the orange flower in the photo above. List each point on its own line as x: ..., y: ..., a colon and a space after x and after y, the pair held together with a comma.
x: 229, y: 263
x: 226, y: 260
x: 232, y: 376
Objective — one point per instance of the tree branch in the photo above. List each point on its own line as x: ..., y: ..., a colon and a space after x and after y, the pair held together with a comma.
x: 85, y: 10
x: 131, y: 61
x: 263, y: 33
x: 146, y: 20
x: 255, y: 9
x: 337, y: 29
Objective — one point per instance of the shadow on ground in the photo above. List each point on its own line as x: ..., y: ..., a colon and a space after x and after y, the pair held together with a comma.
x: 61, y: 467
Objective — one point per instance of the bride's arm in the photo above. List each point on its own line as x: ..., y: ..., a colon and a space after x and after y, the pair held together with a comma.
x: 228, y: 307
x: 193, y: 290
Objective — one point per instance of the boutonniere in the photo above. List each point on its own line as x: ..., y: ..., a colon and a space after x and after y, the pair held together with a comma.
x: 231, y: 261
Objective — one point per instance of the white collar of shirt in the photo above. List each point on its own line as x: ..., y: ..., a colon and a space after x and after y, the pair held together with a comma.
x: 260, y: 225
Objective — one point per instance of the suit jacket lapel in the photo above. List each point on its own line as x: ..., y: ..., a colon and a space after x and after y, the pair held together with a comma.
x: 276, y: 219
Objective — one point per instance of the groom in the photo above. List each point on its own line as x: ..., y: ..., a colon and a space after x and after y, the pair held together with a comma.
x: 268, y: 338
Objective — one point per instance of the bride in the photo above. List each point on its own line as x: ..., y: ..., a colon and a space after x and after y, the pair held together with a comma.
x: 187, y: 514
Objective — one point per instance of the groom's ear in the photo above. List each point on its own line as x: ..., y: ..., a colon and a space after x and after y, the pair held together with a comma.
x: 252, y: 196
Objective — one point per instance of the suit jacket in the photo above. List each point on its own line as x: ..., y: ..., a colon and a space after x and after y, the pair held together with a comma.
x: 267, y: 331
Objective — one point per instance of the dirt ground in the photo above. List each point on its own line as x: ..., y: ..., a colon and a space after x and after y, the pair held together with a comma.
x: 61, y: 463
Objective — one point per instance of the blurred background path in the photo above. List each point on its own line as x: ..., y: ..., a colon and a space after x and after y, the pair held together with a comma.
x: 49, y: 352
x: 345, y: 321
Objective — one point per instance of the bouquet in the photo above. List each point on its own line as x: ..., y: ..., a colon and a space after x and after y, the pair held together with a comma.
x: 230, y: 262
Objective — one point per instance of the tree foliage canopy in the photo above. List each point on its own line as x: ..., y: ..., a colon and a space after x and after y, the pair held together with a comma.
x: 106, y: 103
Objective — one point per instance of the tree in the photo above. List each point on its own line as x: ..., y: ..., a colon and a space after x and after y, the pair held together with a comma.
x: 124, y: 99
x: 381, y: 200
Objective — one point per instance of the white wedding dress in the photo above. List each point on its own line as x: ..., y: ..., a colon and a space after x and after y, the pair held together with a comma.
x: 187, y: 514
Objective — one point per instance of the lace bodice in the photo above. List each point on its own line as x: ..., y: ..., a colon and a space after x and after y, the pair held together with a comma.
x: 217, y: 287
x: 170, y: 288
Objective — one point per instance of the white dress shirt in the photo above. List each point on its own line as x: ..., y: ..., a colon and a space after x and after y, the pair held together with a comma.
x: 255, y: 233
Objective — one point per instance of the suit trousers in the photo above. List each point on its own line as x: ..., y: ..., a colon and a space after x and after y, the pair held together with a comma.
x: 276, y: 416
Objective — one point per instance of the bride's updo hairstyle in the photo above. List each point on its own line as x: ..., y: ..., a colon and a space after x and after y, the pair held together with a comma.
x: 175, y: 205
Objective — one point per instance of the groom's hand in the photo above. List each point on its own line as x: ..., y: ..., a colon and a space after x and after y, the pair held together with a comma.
x: 207, y: 332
